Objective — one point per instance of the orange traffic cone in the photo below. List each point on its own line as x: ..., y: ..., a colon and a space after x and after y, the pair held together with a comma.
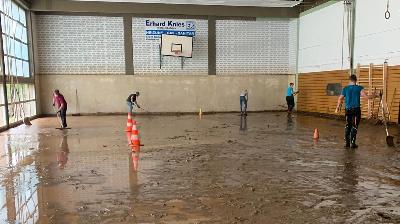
x: 135, y: 136
x: 129, y: 123
x: 316, y: 134
x: 135, y: 148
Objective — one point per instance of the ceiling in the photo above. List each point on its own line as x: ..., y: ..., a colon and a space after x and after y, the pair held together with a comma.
x: 308, y: 4
x: 256, y: 3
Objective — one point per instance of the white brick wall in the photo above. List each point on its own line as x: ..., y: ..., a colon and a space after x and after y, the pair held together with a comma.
x: 252, y: 47
x: 80, y: 45
x: 95, y: 45
x: 146, y: 52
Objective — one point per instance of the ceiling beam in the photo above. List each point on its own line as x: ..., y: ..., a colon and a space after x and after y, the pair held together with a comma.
x: 160, y: 9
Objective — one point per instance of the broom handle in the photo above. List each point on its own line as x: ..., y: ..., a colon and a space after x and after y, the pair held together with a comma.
x: 384, y: 118
x: 373, y: 105
x: 76, y: 100
x: 391, y: 104
x: 58, y: 116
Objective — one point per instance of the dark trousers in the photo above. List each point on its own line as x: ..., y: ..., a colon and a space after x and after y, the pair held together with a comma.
x: 243, y: 104
x: 353, y: 118
x: 63, y: 115
x: 290, y: 103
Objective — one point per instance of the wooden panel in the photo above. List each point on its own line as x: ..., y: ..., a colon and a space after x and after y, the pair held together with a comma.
x: 313, y: 98
x: 393, y: 97
x: 312, y: 87
x: 372, y: 80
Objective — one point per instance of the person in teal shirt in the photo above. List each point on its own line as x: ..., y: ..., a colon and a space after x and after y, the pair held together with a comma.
x: 290, y: 93
x: 244, y: 97
x: 351, y: 94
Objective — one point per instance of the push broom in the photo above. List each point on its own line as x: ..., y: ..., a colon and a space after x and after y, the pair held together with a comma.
x: 76, y: 105
x: 389, y: 138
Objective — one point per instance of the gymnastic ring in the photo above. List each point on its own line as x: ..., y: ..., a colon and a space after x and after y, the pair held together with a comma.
x: 387, y: 15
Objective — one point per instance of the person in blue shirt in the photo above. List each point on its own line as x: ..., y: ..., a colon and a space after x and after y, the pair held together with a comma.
x: 351, y: 94
x: 244, y: 97
x: 290, y: 93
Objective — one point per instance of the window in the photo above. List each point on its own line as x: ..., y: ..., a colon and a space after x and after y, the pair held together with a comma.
x: 15, y: 39
x: 21, y: 99
x: 333, y: 89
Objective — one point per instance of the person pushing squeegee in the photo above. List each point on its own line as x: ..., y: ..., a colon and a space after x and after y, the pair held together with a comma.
x: 60, y: 107
x: 131, y: 101
x: 389, y: 138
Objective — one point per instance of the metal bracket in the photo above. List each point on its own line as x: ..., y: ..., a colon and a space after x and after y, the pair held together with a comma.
x: 161, y: 58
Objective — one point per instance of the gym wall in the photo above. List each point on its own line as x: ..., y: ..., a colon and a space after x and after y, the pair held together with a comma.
x: 320, y: 52
x: 84, y: 55
x: 323, y: 57
x: 393, y: 93
x: 293, y: 45
x: 313, y: 97
x: 146, y: 52
x: 255, y: 47
x: 79, y: 45
x: 312, y: 86
x: 322, y: 46
x: 377, y: 38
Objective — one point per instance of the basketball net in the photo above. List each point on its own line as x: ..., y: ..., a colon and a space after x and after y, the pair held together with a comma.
x: 176, y: 52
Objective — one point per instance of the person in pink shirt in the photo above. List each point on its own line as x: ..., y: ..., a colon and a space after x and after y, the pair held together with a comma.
x: 61, y: 105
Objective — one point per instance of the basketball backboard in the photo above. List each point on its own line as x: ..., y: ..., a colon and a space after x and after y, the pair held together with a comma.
x: 178, y: 46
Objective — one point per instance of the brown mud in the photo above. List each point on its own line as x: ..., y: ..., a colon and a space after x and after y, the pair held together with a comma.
x: 223, y: 168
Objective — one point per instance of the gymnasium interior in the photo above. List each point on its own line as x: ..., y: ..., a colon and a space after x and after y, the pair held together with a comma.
x: 197, y: 112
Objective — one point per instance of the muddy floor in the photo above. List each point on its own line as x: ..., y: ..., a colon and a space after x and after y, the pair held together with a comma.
x: 222, y: 168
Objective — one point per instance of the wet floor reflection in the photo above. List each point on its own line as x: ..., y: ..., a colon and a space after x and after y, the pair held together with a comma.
x: 62, y: 155
x: 133, y: 173
x: 19, y: 198
x: 243, y: 125
x: 194, y: 171
x: 398, y: 134
x: 289, y: 122
x: 349, y: 181
x: 135, y: 158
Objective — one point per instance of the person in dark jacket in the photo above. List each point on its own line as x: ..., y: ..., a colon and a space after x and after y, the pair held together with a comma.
x: 131, y: 101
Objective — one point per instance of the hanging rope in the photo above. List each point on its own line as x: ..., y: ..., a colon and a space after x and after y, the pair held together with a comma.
x: 387, y: 13
x: 344, y: 13
x: 347, y: 27
x: 350, y: 28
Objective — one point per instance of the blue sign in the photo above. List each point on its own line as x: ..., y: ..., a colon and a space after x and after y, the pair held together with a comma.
x: 156, y: 27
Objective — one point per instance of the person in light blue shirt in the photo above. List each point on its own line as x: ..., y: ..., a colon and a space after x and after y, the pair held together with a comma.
x: 244, y: 97
x: 290, y: 93
x: 351, y: 94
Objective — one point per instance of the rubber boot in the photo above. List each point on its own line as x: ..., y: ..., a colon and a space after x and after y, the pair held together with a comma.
x: 353, y: 137
x: 347, y: 131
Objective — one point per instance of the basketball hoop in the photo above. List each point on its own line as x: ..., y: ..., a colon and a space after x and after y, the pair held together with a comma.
x: 180, y: 47
x: 176, y: 52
